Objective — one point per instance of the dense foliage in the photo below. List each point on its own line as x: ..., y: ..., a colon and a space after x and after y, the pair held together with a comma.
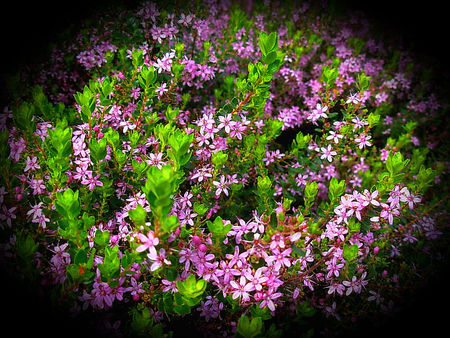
x: 244, y: 167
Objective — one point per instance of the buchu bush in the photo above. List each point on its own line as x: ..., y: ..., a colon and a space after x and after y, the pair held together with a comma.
x: 234, y: 170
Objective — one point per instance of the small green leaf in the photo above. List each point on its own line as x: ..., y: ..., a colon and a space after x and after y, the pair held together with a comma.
x: 138, y: 215
x: 350, y: 252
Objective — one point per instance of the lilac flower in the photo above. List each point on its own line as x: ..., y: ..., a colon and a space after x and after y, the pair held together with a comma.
x: 238, y: 259
x: 333, y: 267
x: 352, y: 286
x: 256, y: 279
x: 375, y: 296
x: 92, y: 181
x: 185, y: 200
x: 161, y: 89
x: 226, y: 122
x: 353, y: 98
x: 240, y: 230
x: 358, y: 123
x: 221, y: 186
x: 336, y: 287
x: 148, y: 242
x: 36, y: 210
x: 127, y: 125
x: 277, y: 241
x: 242, y: 289
x: 388, y: 212
x: 37, y: 185
x: 31, y: 164
x: 363, y: 141
x: 135, y: 93
x: 210, y: 308
x: 169, y: 286
x: 236, y: 130
x: 135, y: 289
x: 370, y: 198
x: 158, y: 259
x: 226, y: 271
x: 280, y: 258
x: 327, y: 153
x: 334, y: 136
x: 102, y: 296
x: 201, y: 173
x: 156, y: 160
x: 7, y: 215
x: 317, y: 113
x: 268, y: 298
x: 409, y: 198
x: 41, y: 220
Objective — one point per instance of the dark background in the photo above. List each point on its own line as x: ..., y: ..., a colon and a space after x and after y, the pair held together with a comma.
x: 26, y: 28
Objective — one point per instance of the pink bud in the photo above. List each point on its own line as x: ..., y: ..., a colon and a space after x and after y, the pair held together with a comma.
x: 384, y: 274
x: 100, y: 135
x: 202, y: 248
x: 375, y: 250
x: 196, y: 240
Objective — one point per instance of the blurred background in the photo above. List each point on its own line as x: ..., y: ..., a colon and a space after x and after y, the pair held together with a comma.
x: 27, y: 29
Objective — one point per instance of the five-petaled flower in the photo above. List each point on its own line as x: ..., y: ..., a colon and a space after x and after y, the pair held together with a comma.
x: 92, y: 181
x: 328, y: 153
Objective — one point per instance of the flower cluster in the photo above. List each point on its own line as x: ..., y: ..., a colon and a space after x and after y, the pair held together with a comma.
x: 206, y: 163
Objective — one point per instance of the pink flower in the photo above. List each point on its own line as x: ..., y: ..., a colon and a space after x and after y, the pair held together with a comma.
x: 408, y: 197
x: 363, y: 141
x: 280, y: 258
x: 388, y: 212
x: 169, y: 286
x: 268, y: 298
x: 334, y: 136
x: 257, y: 280
x: 31, y: 164
x: 242, y: 289
x: 221, y: 186
x: 148, y: 242
x: 92, y: 181
x: 7, y: 215
x: 161, y: 89
x: 158, y: 260
x: 226, y: 122
x: 226, y: 271
x: 327, y: 153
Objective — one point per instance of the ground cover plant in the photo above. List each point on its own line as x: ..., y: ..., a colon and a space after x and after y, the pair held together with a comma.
x: 249, y: 168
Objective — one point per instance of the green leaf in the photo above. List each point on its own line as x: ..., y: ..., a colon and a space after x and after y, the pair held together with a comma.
x: 97, y: 149
x: 67, y: 204
x: 169, y: 224
x: 80, y: 257
x: 336, y: 189
x: 311, y: 190
x: 219, y: 159
x: 271, y: 42
x: 263, y: 42
x: 350, y: 252
x: 191, y: 289
x: 138, y: 215
x: 182, y: 309
x: 200, y: 209
x: 264, y: 184
x: 249, y: 329
x: 102, y: 238
x: 217, y: 228
x: 269, y: 58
